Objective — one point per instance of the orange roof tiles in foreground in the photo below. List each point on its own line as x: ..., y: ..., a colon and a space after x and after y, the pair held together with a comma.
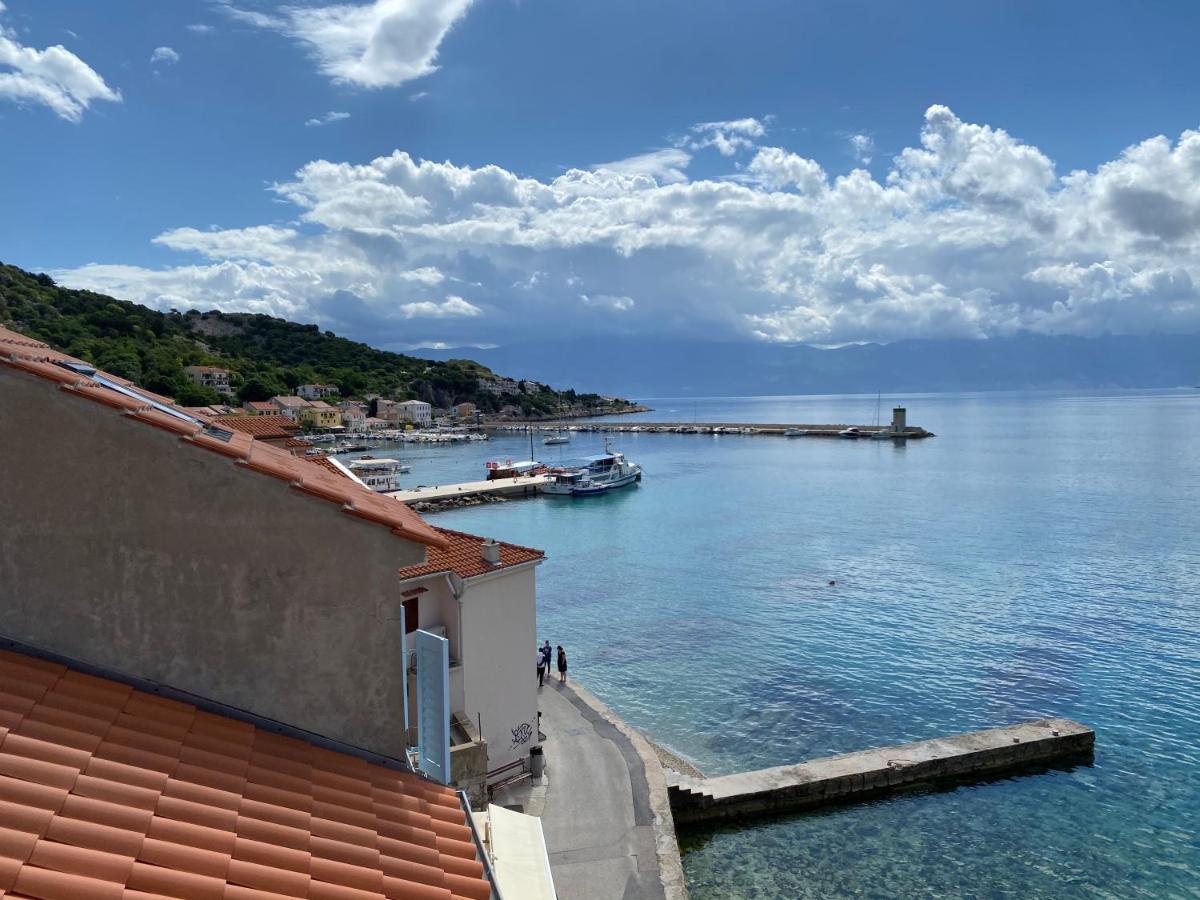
x: 35, y: 358
x: 111, y: 793
x: 265, y: 427
x: 463, y: 555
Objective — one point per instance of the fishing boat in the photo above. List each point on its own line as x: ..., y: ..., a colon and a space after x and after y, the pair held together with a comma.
x: 594, y: 475
x: 378, y: 474
x: 509, y: 469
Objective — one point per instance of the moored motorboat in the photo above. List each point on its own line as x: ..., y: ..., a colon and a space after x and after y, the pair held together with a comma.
x: 852, y: 433
x: 378, y: 474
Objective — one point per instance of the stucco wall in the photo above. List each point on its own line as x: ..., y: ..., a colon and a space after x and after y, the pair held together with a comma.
x: 500, y: 678
x: 121, y: 547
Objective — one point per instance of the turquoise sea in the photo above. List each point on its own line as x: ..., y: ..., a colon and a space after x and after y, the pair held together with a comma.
x: 1040, y: 556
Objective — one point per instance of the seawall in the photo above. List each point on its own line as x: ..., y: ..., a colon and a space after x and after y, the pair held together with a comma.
x: 868, y: 773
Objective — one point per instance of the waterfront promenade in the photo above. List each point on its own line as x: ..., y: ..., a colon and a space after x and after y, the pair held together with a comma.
x: 603, y: 803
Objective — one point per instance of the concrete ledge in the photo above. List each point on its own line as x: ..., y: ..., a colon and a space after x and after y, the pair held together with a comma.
x: 868, y: 773
x: 670, y: 866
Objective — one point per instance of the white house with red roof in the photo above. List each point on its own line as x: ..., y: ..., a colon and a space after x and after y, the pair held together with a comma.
x: 481, y: 595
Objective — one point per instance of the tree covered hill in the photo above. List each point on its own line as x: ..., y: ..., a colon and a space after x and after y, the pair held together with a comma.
x: 266, y: 356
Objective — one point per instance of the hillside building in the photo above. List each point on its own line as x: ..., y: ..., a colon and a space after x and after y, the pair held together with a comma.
x: 210, y: 377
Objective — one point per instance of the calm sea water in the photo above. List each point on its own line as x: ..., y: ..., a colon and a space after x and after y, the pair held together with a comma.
x: 1039, y: 557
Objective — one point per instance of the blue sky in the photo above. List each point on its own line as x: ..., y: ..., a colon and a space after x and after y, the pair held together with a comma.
x: 868, y: 170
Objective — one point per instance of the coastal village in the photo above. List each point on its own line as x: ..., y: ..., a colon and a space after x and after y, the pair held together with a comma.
x: 196, y: 702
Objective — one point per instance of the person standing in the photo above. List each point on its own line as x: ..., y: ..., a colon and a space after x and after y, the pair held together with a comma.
x: 542, y: 665
x: 562, y: 665
x: 547, y: 655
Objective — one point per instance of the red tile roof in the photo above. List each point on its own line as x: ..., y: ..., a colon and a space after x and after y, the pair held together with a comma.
x: 463, y: 555
x: 111, y: 792
x: 265, y: 427
x: 263, y: 406
x: 290, y: 401
x: 37, y: 359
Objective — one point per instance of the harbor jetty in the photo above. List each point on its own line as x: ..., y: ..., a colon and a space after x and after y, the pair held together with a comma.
x: 522, y: 486
x: 897, y: 429
x: 867, y: 774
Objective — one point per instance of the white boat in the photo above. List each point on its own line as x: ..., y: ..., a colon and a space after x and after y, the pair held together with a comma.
x: 794, y: 432
x: 852, y: 433
x: 885, y: 435
x: 378, y: 474
x: 606, y: 472
x: 564, y: 483
x: 556, y: 437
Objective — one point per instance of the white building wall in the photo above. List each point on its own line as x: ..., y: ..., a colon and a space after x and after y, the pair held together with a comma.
x: 499, y: 619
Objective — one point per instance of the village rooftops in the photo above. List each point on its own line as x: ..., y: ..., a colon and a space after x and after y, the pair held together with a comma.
x: 108, y: 791
x: 319, y: 404
x: 109, y: 392
x: 463, y: 555
x: 261, y: 407
x: 290, y: 402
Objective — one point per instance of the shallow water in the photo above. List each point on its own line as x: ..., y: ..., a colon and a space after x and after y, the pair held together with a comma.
x: 1038, y: 557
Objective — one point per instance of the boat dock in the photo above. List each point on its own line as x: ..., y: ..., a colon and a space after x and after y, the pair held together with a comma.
x: 866, y: 774
x: 524, y: 486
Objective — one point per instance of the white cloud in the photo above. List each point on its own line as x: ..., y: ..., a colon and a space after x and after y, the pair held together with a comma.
x: 327, y: 119
x: 608, y: 301
x: 200, y: 28
x: 55, y: 78
x: 970, y: 232
x: 382, y: 43
x: 862, y: 148
x: 727, y: 137
x: 664, y: 166
x: 164, y: 55
x: 453, y: 307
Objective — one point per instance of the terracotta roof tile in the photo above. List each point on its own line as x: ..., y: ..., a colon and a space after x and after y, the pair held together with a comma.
x: 20, y: 353
x: 463, y: 555
x: 304, y: 821
x: 264, y: 427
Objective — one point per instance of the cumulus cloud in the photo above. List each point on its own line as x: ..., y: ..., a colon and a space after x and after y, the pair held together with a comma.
x: 970, y: 232
x: 164, y: 55
x: 55, y: 78
x: 383, y: 43
x: 328, y: 119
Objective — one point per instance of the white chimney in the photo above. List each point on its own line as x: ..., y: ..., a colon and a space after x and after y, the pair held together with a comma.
x: 491, y: 552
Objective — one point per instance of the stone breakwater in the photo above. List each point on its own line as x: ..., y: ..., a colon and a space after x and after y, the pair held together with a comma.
x: 869, y: 773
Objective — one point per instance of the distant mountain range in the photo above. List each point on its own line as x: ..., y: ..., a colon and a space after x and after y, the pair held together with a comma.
x: 671, y: 368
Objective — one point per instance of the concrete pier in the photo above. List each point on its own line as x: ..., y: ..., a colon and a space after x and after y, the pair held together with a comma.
x: 524, y: 486
x: 868, y: 773
x: 776, y: 429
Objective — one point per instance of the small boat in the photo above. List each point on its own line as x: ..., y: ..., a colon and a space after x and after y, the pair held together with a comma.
x: 564, y: 483
x: 852, y: 433
x: 885, y: 435
x: 510, y: 469
x: 378, y: 474
x: 556, y: 437
x: 794, y: 432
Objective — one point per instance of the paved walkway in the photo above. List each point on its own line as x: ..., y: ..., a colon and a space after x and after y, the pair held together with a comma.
x: 597, y: 807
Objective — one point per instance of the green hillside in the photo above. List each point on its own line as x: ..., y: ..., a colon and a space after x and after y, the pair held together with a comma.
x: 266, y: 356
